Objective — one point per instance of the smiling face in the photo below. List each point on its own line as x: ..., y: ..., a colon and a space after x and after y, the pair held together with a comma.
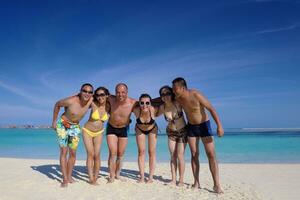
x: 121, y: 93
x: 145, y: 103
x: 101, y: 96
x: 166, y: 95
x: 86, y: 92
x: 178, y: 89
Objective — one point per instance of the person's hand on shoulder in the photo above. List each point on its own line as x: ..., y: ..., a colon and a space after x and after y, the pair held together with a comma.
x: 136, y: 104
x: 91, y: 100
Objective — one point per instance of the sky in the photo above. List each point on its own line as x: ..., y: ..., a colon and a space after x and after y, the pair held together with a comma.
x: 242, y: 55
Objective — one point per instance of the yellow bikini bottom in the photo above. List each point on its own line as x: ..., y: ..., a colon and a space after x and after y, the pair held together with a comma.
x: 92, y: 133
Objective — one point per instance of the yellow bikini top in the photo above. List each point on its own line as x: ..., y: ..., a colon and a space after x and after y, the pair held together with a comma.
x: 96, y: 116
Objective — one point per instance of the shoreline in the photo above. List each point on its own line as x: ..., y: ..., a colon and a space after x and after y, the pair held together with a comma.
x: 239, y: 181
x: 165, y: 162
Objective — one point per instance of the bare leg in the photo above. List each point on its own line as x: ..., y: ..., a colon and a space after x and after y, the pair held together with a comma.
x: 122, y: 143
x: 71, y: 163
x: 213, y: 164
x: 194, y: 147
x: 173, y: 161
x: 89, y: 146
x: 97, y: 162
x: 181, y: 163
x: 141, y: 142
x: 112, y: 142
x: 63, y: 165
x: 152, y: 155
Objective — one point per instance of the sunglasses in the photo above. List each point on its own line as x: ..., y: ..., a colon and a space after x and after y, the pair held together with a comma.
x: 166, y: 94
x: 100, y: 95
x: 86, y: 91
x: 145, y: 103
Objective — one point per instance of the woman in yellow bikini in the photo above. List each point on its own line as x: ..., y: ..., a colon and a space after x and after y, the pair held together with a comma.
x: 93, y: 131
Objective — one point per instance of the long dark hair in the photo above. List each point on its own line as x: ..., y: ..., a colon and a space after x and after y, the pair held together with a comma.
x: 166, y: 87
x: 106, y: 91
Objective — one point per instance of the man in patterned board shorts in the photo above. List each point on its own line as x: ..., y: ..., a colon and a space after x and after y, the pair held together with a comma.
x: 68, y: 129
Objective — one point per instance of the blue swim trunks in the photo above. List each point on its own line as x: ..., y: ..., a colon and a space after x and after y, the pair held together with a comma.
x: 68, y: 134
x: 199, y: 130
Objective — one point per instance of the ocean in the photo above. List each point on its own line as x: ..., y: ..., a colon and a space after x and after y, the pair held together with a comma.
x: 237, y: 146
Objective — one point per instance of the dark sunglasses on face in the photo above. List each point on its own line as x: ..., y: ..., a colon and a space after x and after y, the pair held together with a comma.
x: 144, y: 103
x: 100, y: 95
x: 86, y: 91
x: 166, y: 94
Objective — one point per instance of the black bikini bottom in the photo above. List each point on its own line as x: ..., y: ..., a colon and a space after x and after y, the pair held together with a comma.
x: 147, y: 131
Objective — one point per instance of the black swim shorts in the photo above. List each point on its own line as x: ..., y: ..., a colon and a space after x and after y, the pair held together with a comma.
x: 119, y: 132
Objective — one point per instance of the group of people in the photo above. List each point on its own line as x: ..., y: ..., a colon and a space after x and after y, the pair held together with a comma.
x: 173, y: 103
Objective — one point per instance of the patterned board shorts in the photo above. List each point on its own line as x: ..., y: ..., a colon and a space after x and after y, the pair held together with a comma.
x: 68, y: 134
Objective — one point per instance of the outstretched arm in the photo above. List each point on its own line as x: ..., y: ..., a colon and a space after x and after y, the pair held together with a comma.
x: 204, y: 101
x: 107, y: 107
x: 153, y: 112
x: 159, y: 110
x: 156, y: 102
x: 136, y: 111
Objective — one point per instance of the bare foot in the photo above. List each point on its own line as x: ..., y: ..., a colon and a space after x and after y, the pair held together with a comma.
x: 141, y: 180
x: 111, y: 180
x: 72, y: 180
x: 149, y: 180
x: 172, y: 182
x: 64, y: 184
x: 196, y: 186
x: 120, y: 179
x: 180, y: 184
x: 218, y: 190
x: 93, y: 182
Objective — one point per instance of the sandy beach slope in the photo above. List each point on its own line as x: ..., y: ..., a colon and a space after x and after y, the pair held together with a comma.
x: 39, y: 179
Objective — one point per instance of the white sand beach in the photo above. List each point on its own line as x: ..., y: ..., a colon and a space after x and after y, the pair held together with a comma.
x: 39, y: 179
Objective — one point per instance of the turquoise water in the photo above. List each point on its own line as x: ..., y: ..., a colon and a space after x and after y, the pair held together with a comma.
x: 237, y: 146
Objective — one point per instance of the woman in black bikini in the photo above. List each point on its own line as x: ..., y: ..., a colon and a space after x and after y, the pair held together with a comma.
x: 176, y: 131
x: 145, y: 128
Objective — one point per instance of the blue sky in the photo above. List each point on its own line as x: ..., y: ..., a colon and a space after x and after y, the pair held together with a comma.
x: 243, y: 55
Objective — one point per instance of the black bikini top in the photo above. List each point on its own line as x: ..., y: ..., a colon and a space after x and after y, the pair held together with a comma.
x: 178, y: 115
x: 138, y: 120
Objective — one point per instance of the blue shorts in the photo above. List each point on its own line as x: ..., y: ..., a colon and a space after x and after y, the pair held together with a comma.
x: 199, y: 130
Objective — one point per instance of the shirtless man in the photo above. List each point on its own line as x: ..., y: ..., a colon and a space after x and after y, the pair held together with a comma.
x: 117, y: 128
x: 194, y: 104
x: 68, y: 129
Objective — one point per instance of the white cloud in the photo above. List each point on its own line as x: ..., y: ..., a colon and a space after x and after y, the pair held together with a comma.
x: 197, y: 65
x: 274, y: 30
x: 47, y: 80
x: 25, y: 94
